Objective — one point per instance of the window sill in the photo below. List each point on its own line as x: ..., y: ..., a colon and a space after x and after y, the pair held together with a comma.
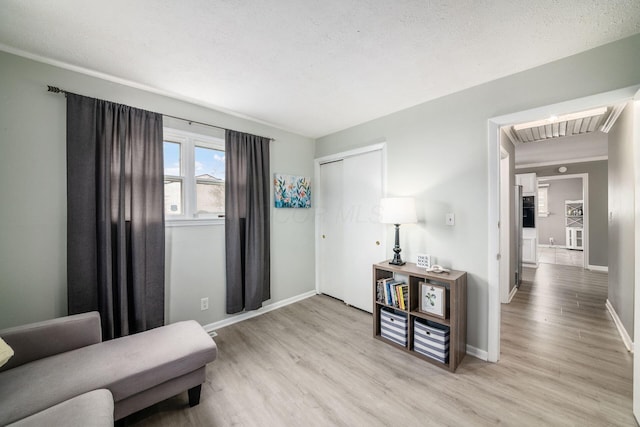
x: 199, y: 222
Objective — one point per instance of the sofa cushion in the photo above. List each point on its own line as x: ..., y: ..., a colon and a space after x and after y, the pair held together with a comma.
x: 92, y: 409
x: 125, y: 366
x: 43, y: 339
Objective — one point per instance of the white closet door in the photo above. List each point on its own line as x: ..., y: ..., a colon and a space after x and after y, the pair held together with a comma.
x: 331, y: 276
x: 363, y: 242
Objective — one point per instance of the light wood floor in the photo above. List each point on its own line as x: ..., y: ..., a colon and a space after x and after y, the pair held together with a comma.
x: 562, y: 256
x: 315, y: 363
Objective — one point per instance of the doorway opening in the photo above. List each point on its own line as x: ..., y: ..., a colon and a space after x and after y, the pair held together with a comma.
x: 494, y: 256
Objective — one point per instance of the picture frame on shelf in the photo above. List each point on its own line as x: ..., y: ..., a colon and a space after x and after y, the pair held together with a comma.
x: 433, y: 299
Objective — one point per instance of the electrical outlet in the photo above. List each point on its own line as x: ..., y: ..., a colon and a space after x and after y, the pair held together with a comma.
x: 204, y: 304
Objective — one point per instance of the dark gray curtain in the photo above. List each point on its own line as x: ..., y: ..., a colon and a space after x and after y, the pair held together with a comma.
x: 115, y: 214
x: 247, y: 205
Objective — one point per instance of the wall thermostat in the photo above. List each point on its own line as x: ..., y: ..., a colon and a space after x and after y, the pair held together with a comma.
x: 424, y: 261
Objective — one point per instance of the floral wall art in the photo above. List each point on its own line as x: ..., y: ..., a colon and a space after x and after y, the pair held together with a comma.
x: 291, y: 191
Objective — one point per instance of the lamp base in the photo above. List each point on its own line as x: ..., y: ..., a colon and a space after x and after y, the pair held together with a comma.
x: 397, y: 260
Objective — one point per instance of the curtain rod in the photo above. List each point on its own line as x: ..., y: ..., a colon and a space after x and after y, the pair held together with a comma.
x: 56, y: 89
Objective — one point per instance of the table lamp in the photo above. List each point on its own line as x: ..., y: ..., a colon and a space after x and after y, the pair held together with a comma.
x: 396, y: 211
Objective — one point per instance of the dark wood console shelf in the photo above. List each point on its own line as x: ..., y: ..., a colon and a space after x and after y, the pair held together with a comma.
x: 456, y: 319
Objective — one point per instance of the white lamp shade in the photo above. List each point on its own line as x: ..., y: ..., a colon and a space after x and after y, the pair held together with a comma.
x: 398, y: 210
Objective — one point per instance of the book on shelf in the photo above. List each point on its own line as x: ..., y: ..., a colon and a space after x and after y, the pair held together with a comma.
x: 392, y: 292
x: 398, y: 292
x: 404, y: 292
x: 382, y: 293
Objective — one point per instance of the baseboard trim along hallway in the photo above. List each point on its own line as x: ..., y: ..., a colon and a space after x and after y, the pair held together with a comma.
x: 628, y: 342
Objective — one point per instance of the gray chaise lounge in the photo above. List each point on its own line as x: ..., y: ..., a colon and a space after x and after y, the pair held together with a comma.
x: 60, y: 359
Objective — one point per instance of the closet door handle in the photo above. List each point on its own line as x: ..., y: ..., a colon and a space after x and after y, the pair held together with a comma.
x: 377, y: 242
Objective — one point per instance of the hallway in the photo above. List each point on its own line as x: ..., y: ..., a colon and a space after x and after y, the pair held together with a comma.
x: 558, y: 330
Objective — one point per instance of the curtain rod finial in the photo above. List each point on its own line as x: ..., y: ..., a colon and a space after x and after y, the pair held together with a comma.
x: 55, y: 89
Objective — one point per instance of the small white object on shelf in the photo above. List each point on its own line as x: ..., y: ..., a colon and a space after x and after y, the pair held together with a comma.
x: 423, y: 261
x: 437, y: 269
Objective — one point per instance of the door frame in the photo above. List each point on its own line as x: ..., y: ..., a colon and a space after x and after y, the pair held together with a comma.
x: 636, y: 306
x: 505, y: 226
x: 493, y: 141
x: 318, y: 210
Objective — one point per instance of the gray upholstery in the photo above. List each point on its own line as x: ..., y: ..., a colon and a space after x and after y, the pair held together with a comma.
x: 42, y: 339
x: 144, y: 368
x: 158, y: 393
x: 92, y: 409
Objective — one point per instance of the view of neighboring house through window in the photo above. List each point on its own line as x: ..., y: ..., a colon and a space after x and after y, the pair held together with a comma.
x: 209, y: 174
x: 194, y: 172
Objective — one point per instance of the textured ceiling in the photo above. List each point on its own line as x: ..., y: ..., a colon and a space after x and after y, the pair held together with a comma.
x: 313, y: 67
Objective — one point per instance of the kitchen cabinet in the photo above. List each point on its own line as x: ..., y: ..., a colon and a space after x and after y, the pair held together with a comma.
x: 529, y: 183
x: 574, y: 238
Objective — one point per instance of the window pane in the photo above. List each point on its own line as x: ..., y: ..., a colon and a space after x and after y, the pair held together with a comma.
x: 210, y: 197
x: 543, y: 208
x: 172, y: 164
x: 173, y: 198
x: 209, y: 164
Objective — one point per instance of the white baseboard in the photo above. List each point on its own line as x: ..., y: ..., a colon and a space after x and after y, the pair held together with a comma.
x: 513, y: 293
x: 602, y: 268
x: 530, y: 265
x: 552, y: 246
x: 211, y: 327
x: 628, y: 342
x: 476, y: 352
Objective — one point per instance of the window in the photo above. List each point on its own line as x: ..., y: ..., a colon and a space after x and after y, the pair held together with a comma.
x: 543, y: 200
x: 194, y: 173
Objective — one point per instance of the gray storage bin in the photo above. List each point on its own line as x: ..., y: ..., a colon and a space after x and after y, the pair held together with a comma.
x: 431, y: 339
x: 394, y: 326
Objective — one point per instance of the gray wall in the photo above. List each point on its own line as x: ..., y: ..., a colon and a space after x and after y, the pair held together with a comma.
x: 554, y: 225
x: 33, y: 195
x: 622, y: 218
x: 438, y: 152
x: 598, y: 201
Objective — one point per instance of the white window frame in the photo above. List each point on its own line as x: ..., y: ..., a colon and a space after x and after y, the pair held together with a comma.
x: 188, y: 142
x: 544, y: 210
